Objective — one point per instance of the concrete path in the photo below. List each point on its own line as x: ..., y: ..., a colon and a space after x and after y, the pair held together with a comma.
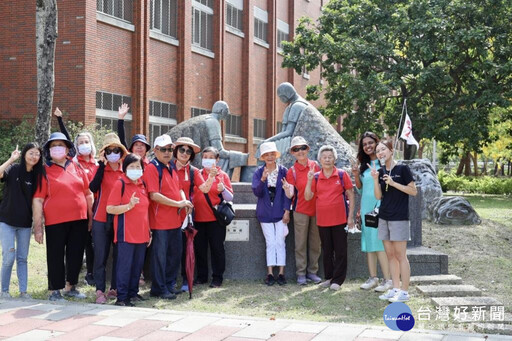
x: 41, y: 320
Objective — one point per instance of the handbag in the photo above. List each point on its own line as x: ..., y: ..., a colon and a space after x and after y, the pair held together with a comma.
x: 224, y: 213
x: 371, y: 219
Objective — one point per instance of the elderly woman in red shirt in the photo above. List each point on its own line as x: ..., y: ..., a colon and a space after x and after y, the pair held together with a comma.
x: 329, y: 187
x: 67, y: 213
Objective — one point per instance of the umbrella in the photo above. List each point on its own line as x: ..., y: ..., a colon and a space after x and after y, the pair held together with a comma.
x: 190, y: 257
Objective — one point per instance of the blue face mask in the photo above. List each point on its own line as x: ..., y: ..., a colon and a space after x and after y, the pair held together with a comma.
x: 133, y: 174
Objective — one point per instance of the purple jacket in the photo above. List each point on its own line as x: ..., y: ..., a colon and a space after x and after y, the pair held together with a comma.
x: 265, y: 211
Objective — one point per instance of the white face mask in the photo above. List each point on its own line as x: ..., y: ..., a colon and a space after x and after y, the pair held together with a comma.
x: 208, y: 163
x: 133, y: 174
x: 85, y: 149
x: 58, y: 152
x: 113, y: 157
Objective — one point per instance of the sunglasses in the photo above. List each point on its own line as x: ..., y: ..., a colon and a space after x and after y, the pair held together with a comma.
x: 164, y: 150
x: 109, y: 151
x: 296, y: 149
x: 182, y: 150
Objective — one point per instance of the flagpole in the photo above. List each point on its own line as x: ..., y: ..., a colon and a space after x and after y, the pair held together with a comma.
x: 404, y: 109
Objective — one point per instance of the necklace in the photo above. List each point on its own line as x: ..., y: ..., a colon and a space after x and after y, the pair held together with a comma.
x: 390, y: 170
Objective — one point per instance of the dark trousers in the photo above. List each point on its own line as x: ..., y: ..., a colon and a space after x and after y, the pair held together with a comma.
x: 89, y: 253
x: 64, y: 252
x: 334, y: 247
x: 103, y: 239
x: 130, y: 260
x: 213, y: 235
x: 165, y: 260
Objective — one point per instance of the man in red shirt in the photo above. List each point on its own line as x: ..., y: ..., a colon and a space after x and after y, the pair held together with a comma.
x: 166, y: 198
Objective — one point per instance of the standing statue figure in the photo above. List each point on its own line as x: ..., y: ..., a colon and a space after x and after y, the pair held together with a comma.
x: 301, y: 118
x: 205, y: 130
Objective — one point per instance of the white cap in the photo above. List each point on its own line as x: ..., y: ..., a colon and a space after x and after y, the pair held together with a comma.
x: 268, y: 147
x: 162, y: 141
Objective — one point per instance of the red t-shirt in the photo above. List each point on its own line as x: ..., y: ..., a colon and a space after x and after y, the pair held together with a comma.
x: 184, y: 175
x: 64, y: 191
x: 202, y: 211
x: 90, y: 167
x: 299, y: 181
x: 110, y: 177
x: 163, y: 217
x: 330, y: 207
x: 133, y: 225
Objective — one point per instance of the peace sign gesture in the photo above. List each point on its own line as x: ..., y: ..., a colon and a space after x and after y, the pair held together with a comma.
x: 311, y: 173
x: 373, y: 171
x: 15, y: 154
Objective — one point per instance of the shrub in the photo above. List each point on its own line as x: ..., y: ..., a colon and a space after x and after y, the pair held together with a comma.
x: 471, y: 184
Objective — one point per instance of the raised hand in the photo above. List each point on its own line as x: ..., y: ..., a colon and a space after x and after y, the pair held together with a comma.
x: 57, y: 112
x: 102, y: 158
x: 15, y: 154
x: 220, y: 186
x: 133, y: 200
x: 122, y: 111
x: 373, y: 171
x: 213, y: 172
x: 288, y: 188
x: 355, y: 167
x: 264, y: 176
x: 311, y: 173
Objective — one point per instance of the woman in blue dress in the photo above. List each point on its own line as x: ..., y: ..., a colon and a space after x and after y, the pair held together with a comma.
x: 370, y: 243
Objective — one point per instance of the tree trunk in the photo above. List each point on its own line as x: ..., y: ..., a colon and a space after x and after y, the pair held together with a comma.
x: 475, y: 162
x: 420, y: 151
x: 460, y: 168
x: 409, y: 151
x: 467, y: 164
x: 46, y: 36
x: 484, y: 169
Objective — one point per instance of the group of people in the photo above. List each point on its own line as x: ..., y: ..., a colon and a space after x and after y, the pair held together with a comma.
x: 117, y: 200
x: 321, y: 198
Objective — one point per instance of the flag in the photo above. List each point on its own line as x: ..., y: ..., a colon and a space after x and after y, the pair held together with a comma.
x: 407, y: 132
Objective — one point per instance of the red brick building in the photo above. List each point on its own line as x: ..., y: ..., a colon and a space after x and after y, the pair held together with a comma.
x: 169, y: 59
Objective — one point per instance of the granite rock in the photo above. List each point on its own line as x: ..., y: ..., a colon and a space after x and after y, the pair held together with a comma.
x: 452, y: 211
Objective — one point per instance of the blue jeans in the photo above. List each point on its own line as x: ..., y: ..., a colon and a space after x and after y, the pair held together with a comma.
x: 130, y: 260
x: 9, y: 235
x: 102, y: 239
x: 165, y: 260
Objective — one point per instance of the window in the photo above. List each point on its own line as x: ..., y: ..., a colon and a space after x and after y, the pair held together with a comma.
x: 235, y: 14
x: 202, y: 24
x: 164, y: 17
x: 162, y: 117
x: 282, y: 33
x: 162, y: 109
x: 107, y: 105
x: 121, y: 9
x: 260, y: 128
x: 111, y: 102
x: 260, y: 24
x: 156, y: 130
x: 234, y: 125
x: 197, y: 112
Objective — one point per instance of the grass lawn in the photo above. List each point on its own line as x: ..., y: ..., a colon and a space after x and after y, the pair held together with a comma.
x: 478, y: 254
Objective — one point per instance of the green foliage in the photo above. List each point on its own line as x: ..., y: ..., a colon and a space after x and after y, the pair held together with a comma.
x: 468, y: 184
x: 451, y: 59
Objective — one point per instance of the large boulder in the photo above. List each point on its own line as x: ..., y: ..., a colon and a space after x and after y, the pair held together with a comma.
x: 452, y: 211
x: 425, y: 178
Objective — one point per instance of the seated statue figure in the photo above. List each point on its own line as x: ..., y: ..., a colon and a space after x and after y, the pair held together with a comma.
x: 205, y: 130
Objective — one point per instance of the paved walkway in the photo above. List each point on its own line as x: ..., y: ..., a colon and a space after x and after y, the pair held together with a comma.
x: 41, y: 320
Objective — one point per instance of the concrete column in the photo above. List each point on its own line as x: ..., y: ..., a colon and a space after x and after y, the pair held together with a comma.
x: 248, y: 96
x: 271, y: 67
x: 292, y: 25
x: 140, y: 43
x: 184, y: 58
x: 219, y: 8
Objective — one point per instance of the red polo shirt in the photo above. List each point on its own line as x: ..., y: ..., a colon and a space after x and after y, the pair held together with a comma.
x: 330, y: 207
x: 163, y: 217
x: 202, y: 211
x: 90, y: 167
x: 64, y: 190
x: 299, y: 181
x: 184, y: 175
x: 110, y: 177
x: 133, y: 225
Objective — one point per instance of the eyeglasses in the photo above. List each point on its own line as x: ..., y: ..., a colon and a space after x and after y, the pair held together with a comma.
x: 296, y: 149
x: 164, y: 150
x: 184, y: 150
x: 112, y: 150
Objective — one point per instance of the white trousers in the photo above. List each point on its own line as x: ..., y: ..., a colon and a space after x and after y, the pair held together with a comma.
x: 275, y: 234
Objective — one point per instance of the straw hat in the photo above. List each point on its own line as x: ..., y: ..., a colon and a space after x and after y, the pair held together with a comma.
x: 187, y: 141
x: 112, y: 140
x: 268, y: 147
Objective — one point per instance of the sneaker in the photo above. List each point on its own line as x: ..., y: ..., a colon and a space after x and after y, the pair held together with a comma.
x: 401, y: 297
x: 370, y: 283
x: 166, y: 296
x: 215, y: 284
x: 25, y: 296
x: 55, y: 296
x: 314, y: 278
x: 281, y: 280
x: 199, y: 282
x: 100, y: 297
x: 89, y: 279
x: 73, y: 293
x: 5, y: 294
x: 325, y: 284
x: 389, y: 294
x: 270, y: 280
x: 126, y: 303
x: 175, y: 291
x: 385, y: 285
x: 184, y: 287
x: 335, y: 287
x: 301, y: 280
x: 138, y: 298
x: 111, y: 294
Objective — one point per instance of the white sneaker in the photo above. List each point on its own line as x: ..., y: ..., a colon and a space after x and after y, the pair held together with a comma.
x: 384, y: 286
x: 370, y: 283
x: 389, y: 294
x: 325, y: 284
x: 401, y: 297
